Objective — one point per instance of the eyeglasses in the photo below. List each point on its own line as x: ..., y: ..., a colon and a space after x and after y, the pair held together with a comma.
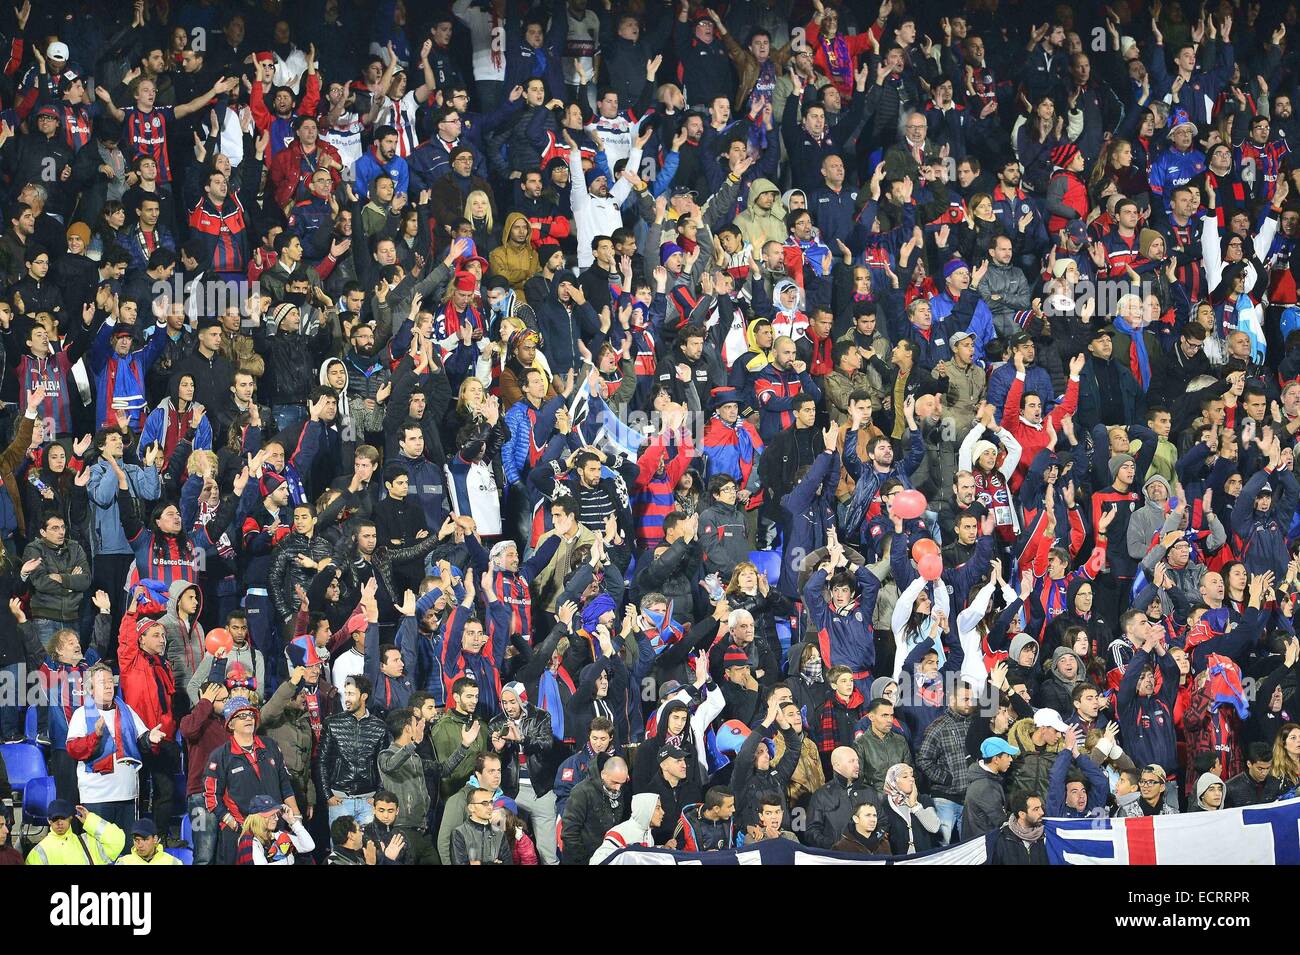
x: 1150, y: 782
x: 481, y: 802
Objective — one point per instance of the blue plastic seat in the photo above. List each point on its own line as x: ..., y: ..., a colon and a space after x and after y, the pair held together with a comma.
x: 784, y: 636
x: 185, y: 855
x: 768, y: 562
x: 23, y: 762
x: 37, y: 796
x: 187, y: 831
x: 30, y: 724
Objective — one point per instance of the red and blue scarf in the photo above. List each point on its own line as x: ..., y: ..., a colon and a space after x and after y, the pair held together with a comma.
x: 121, y: 744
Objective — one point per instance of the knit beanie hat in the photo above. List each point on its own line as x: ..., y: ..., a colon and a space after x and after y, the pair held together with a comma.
x: 1118, y: 461
x: 1145, y: 238
x: 1059, y: 267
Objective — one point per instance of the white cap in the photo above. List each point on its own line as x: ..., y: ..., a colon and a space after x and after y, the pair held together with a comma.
x: 57, y: 51
x: 1050, y: 718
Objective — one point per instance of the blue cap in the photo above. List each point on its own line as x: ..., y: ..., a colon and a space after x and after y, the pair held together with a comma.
x: 144, y: 827
x: 996, y: 746
x: 59, y: 809
x: 262, y: 803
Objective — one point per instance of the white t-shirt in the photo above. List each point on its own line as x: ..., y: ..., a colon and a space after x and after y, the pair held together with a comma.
x: 123, y: 782
x: 351, y: 663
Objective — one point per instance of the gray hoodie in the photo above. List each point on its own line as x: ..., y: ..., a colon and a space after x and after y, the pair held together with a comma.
x: 635, y: 832
x: 184, y: 640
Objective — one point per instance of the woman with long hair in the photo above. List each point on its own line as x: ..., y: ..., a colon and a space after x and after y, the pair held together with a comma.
x: 272, y: 835
x: 1116, y: 173
x: 1286, y: 758
x: 752, y: 591
x: 1035, y: 136
x: 478, y: 212
x: 979, y: 229
x: 505, y: 818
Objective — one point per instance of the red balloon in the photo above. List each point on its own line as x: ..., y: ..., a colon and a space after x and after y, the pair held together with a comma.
x: 217, y: 639
x: 930, y: 566
x: 908, y: 504
x: 923, y: 547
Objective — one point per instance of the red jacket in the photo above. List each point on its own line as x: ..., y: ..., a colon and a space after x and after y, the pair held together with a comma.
x: 1033, y: 438
x: 290, y: 169
x: 1076, y: 197
x: 148, y: 684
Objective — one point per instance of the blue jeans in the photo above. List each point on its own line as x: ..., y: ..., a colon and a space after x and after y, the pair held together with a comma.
x: 949, y: 817
x: 354, y: 806
x: 287, y: 415
x: 203, y: 831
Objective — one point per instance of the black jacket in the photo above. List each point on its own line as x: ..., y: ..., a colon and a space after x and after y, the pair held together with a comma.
x: 673, y: 574
x: 1010, y: 849
x: 588, y: 815
x: 349, y: 753
x: 538, y: 748
x: 831, y: 808
x: 286, y: 571
x: 674, y: 799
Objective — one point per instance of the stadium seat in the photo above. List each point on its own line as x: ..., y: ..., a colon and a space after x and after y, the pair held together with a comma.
x: 29, y: 724
x: 23, y: 762
x: 187, y: 831
x: 180, y: 802
x: 37, y: 797
x: 185, y: 855
x: 768, y: 562
x: 783, y: 635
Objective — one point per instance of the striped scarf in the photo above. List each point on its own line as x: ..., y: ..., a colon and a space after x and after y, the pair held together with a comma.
x: 662, y: 632
x: 121, y: 744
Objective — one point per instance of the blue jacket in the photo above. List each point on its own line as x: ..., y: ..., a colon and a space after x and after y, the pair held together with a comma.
x: 1037, y: 382
x: 1172, y: 168
x: 155, y: 428
x: 528, y: 426
x: 869, y: 481
x: 810, y: 509
x: 563, y: 328
x: 971, y: 314
x: 523, y: 62
x: 1096, y: 783
x: 834, y: 212
x: 390, y: 693
x: 369, y: 166
x: 428, y: 487
x: 846, y: 637
x: 1263, y: 535
x: 1146, y: 723
x: 109, y: 537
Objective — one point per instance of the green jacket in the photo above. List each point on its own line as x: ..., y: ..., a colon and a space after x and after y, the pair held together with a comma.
x: 446, y: 740
x: 877, y: 755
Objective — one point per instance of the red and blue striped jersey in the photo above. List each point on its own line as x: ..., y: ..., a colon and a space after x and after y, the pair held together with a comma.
x: 145, y: 134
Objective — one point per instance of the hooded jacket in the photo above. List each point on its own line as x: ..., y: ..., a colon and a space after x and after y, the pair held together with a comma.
x: 757, y: 226
x: 634, y: 832
x: 163, y: 427
x: 184, y: 638
x: 1054, y: 690
x: 516, y: 262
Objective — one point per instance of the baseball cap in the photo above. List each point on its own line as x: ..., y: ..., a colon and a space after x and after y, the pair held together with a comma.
x: 1048, y: 717
x: 144, y: 827
x: 956, y: 337
x: 671, y: 752
x: 49, y: 111
x: 59, y: 809
x: 996, y: 746
x: 57, y: 51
